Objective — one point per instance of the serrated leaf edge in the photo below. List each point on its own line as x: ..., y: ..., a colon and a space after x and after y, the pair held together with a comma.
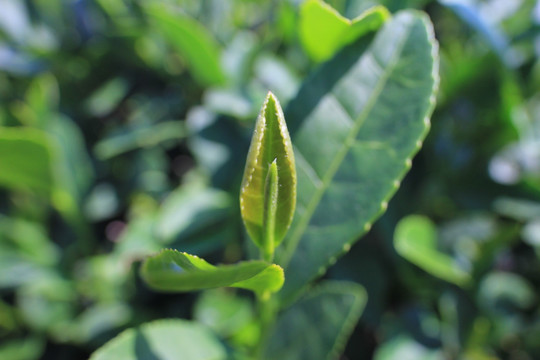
x: 408, y: 161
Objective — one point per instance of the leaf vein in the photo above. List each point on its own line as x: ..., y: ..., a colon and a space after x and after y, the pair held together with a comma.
x: 340, y: 155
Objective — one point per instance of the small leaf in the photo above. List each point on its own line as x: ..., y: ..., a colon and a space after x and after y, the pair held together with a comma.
x: 223, y: 311
x: 163, y: 340
x: 144, y: 137
x: 171, y: 270
x: 30, y: 348
x: 415, y: 240
x: 324, y: 31
x: 26, y: 161
x: 318, y: 326
x: 101, y: 318
x: 501, y: 291
x: 270, y: 144
x: 192, y: 41
x: 106, y: 98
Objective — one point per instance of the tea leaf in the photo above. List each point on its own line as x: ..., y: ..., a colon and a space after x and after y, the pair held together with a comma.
x: 171, y: 270
x: 324, y: 31
x: 356, y: 125
x: 163, y: 340
x: 192, y: 41
x: 26, y: 161
x: 415, y: 240
x: 318, y: 326
x: 270, y: 144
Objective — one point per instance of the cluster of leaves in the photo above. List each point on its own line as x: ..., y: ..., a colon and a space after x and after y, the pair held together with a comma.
x: 124, y: 129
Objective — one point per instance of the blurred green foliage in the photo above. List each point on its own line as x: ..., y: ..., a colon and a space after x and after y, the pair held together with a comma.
x: 124, y: 127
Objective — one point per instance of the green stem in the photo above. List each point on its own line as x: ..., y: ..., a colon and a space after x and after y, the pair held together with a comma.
x: 266, y: 310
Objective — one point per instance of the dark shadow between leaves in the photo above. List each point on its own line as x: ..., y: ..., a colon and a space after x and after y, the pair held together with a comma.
x: 321, y: 82
x: 143, y: 350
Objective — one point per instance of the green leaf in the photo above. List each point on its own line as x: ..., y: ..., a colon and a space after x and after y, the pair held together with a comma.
x: 29, y: 241
x: 171, y: 270
x: 504, y: 291
x: 42, y: 98
x: 270, y: 143
x: 107, y: 97
x: 26, y: 161
x: 355, y: 126
x: 48, y: 305
x: 163, y: 340
x: 139, y: 138
x: 16, y: 269
x: 192, y: 41
x: 323, y: 31
x: 415, y: 240
x: 100, y: 318
x: 223, y: 311
x: 190, y: 209
x: 318, y: 326
x: 72, y: 169
x: 24, y: 349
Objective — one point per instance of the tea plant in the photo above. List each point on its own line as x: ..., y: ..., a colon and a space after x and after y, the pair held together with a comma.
x: 354, y: 127
x: 124, y: 130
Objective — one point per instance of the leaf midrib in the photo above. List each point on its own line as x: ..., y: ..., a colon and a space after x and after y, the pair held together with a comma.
x: 338, y: 159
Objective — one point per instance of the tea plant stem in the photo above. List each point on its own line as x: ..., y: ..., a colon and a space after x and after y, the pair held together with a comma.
x: 266, y: 313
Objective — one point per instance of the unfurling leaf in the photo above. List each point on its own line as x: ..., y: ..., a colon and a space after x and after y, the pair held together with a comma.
x: 268, y: 193
x: 171, y: 270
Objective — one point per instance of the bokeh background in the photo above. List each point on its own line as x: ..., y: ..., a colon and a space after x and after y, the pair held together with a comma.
x: 117, y: 139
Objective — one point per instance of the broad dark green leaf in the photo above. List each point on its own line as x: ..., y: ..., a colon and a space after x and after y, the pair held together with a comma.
x: 416, y: 240
x: 324, y: 31
x: 319, y: 325
x: 171, y: 270
x: 355, y: 126
x: 26, y: 161
x: 163, y: 340
x: 192, y: 41
x: 270, y: 143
